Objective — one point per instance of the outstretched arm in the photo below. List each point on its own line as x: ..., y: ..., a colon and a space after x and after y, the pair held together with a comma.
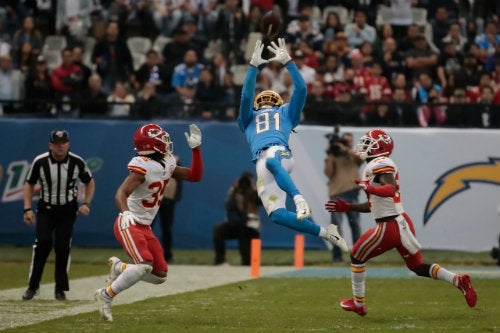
x: 195, y: 172
x: 248, y: 90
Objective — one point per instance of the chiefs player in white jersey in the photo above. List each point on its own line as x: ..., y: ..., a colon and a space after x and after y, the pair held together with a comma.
x: 394, y: 228
x: 138, y: 199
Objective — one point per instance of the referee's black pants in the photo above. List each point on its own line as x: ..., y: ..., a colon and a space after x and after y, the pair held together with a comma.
x: 57, y: 222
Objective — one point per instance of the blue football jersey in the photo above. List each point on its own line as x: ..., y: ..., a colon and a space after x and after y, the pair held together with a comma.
x: 270, y: 126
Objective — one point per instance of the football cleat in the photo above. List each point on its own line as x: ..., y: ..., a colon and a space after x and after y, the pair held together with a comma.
x: 465, y: 285
x: 112, y: 261
x: 104, y: 304
x: 303, y: 210
x: 334, y: 237
x: 29, y: 294
x: 350, y: 305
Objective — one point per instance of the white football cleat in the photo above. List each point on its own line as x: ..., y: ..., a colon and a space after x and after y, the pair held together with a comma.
x: 104, y: 304
x: 334, y: 237
x: 112, y: 261
x: 303, y: 210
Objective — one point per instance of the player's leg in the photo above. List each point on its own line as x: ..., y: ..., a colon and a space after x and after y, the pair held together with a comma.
x: 274, y: 199
x: 372, y: 243
x: 336, y: 219
x: 279, y: 161
x: 415, y: 263
x: 160, y: 268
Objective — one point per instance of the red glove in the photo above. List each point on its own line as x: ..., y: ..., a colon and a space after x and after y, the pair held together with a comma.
x: 338, y: 205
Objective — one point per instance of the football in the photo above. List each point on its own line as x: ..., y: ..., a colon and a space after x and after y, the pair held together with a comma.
x: 271, y: 24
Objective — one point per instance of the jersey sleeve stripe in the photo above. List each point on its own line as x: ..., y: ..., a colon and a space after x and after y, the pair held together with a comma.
x: 138, y: 170
x: 384, y: 169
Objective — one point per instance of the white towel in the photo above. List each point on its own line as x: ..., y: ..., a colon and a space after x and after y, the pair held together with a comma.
x: 407, y: 238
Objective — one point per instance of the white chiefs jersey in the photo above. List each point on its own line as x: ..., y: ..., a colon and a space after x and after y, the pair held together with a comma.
x: 383, y: 206
x: 145, y: 200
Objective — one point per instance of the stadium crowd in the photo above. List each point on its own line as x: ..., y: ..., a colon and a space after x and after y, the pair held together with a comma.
x: 384, y: 63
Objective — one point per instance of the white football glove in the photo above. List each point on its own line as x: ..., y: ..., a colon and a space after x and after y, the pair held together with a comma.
x: 194, y: 138
x: 280, y: 52
x: 126, y: 219
x: 257, y: 60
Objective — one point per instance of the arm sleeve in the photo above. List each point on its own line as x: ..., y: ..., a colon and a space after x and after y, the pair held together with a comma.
x: 196, y: 170
x: 299, y: 95
x: 386, y: 191
x: 247, y: 95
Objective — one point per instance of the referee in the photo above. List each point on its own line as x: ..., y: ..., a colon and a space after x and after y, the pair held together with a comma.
x: 57, y: 172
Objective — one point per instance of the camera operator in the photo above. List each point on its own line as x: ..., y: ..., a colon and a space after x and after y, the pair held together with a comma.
x: 341, y: 168
x: 242, y: 220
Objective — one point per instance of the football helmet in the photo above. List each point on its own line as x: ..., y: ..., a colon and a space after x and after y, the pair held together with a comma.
x: 374, y: 143
x: 151, y: 138
x: 267, y: 98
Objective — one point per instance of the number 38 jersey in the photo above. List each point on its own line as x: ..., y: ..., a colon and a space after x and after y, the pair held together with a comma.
x: 383, y: 206
x: 145, y: 200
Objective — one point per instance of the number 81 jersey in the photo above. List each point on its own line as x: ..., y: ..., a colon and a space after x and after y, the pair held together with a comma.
x: 145, y: 200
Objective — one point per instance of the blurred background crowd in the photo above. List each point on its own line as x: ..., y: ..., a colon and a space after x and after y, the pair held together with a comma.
x: 366, y: 62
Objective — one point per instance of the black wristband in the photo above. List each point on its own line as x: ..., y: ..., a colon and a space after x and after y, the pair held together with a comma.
x: 27, y: 210
x: 86, y: 204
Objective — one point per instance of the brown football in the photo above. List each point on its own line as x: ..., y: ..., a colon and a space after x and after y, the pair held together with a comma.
x: 271, y: 24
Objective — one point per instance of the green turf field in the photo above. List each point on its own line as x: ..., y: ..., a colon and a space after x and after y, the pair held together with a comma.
x: 277, y: 304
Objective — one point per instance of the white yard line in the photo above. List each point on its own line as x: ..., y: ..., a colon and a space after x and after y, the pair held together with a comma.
x: 181, y: 278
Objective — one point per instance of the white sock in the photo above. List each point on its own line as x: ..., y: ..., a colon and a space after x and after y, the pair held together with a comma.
x: 439, y: 273
x: 298, y: 198
x: 358, y: 277
x: 130, y: 276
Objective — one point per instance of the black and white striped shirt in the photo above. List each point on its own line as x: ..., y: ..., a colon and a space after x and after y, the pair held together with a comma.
x: 58, y: 180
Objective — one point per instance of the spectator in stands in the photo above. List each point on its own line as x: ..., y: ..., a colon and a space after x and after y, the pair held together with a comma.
x: 493, y: 59
x: 406, y: 114
x: 440, y: 26
x: 488, y: 39
x: 11, y: 85
x: 27, y: 34
x: 348, y: 112
x: 392, y: 61
x: 283, y: 83
x: 229, y: 89
x: 486, y: 114
x: 474, y: 93
x: 381, y: 115
x: 474, y: 12
x: 148, y: 104
x: 405, y: 44
x: 366, y: 50
x: 67, y: 81
x: 73, y: 19
x: 311, y: 58
x: 94, y: 99
x: 307, y: 72
x: 421, y: 58
x: 359, y: 30
x: 219, y: 68
x: 426, y: 91
x: 469, y: 75
x: 209, y: 96
x: 167, y: 15
x: 184, y: 80
x: 304, y: 29
x: 458, y: 108
x: 78, y: 60
x: 38, y: 88
x: 361, y: 72
x: 196, y: 36
x: 25, y: 59
x: 112, y: 58
x: 455, y: 36
x: 232, y: 29
x: 318, y: 107
x: 449, y: 63
x: 376, y: 88
x: 332, y: 25
x: 333, y: 70
x: 119, y: 11
x: 120, y: 101
x: 173, y: 52
x: 153, y: 70
x: 45, y: 13
x: 339, y: 47
x: 205, y: 13
x: 255, y: 14
x: 142, y: 15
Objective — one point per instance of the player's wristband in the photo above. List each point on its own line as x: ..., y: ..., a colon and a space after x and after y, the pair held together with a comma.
x: 27, y: 209
x: 86, y: 204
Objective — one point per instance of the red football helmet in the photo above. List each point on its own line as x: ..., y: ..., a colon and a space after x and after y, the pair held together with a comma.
x: 374, y: 143
x: 151, y: 138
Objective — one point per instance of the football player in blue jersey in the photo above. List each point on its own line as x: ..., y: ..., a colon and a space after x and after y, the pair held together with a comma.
x: 267, y: 123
